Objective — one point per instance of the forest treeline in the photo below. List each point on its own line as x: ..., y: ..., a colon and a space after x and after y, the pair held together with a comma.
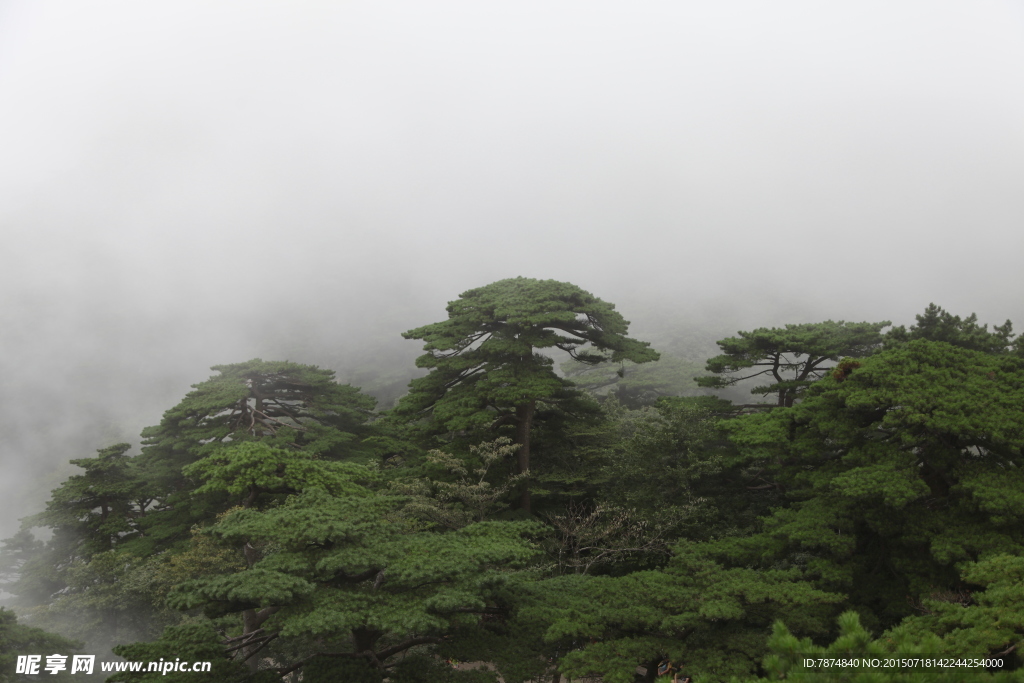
x: 556, y: 523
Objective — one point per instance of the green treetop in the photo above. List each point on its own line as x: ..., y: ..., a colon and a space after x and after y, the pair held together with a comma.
x: 790, y: 358
x: 936, y: 324
x: 801, y: 661
x: 899, y: 474
x: 123, y: 509
x: 91, y: 515
x: 483, y: 361
x: 97, y: 509
x: 276, y: 403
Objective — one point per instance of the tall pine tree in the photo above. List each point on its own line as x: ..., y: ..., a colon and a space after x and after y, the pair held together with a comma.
x: 485, y: 369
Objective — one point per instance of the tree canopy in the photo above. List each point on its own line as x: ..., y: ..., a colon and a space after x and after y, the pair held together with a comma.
x: 937, y: 324
x: 790, y: 358
x: 280, y: 404
x: 876, y: 509
x: 18, y: 639
x: 336, y: 573
x: 485, y: 369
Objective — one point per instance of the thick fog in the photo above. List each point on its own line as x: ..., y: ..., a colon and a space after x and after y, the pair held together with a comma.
x: 184, y: 184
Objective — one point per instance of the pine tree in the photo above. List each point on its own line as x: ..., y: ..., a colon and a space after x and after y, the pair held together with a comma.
x: 17, y: 639
x: 485, y: 369
x: 98, y: 509
x: 790, y: 358
x: 336, y: 575
x: 897, y: 472
x: 937, y: 324
x: 277, y: 403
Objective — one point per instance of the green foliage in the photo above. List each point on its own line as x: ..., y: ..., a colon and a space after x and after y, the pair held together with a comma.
x: 985, y: 616
x: 483, y: 359
x: 936, y: 324
x: 573, y: 441
x: 27, y: 569
x: 250, y: 469
x: 193, y: 642
x: 661, y: 453
x: 790, y: 358
x: 339, y: 563
x: 90, y: 513
x: 75, y: 583
x: 257, y: 530
x: 465, y: 494
x: 485, y: 370
x: 99, y: 507
x: 694, y: 610
x: 787, y: 661
x: 123, y: 530
x: 100, y: 597
x: 17, y: 639
x: 645, y: 489
x: 897, y: 475
x: 156, y: 576
x: 280, y: 405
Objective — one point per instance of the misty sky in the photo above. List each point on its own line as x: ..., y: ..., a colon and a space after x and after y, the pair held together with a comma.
x: 191, y: 183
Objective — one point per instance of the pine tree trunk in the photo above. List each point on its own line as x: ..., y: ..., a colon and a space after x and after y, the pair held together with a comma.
x: 250, y: 622
x: 524, y: 417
